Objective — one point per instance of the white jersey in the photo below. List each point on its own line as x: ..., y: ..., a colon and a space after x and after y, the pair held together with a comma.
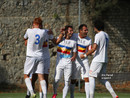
x: 82, y: 43
x: 101, y: 39
x: 35, y: 38
x: 46, y: 46
x: 65, y: 48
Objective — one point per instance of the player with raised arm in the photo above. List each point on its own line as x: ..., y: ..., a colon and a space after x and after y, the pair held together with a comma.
x: 99, y: 62
x: 66, y: 54
x: 83, y: 45
x: 34, y: 39
x: 46, y: 59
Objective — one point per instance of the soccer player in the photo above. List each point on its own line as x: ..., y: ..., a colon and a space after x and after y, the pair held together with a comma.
x: 34, y: 39
x: 46, y: 59
x: 99, y: 62
x: 66, y: 54
x: 46, y: 56
x: 83, y: 44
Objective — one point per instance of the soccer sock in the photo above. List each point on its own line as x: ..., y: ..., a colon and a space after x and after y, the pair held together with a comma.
x: 87, y: 89
x: 65, y: 90
x: 55, y: 86
x: 41, y: 94
x: 28, y: 93
x: 91, y: 86
x: 44, y: 88
x: 110, y: 89
x: 72, y: 86
x: 29, y: 85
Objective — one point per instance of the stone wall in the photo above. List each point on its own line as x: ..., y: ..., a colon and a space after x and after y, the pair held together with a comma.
x: 117, y: 25
x: 17, y: 15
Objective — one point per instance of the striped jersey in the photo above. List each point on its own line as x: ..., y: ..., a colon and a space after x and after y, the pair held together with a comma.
x: 82, y: 43
x: 65, y: 48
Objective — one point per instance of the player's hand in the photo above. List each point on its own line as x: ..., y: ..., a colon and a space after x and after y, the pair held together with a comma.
x: 73, y: 59
x: 82, y: 56
x: 62, y: 30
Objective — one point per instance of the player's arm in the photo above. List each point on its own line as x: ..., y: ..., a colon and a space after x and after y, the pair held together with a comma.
x: 74, y: 56
x: 89, y: 48
x: 74, y: 52
x: 82, y: 56
x: 26, y: 38
x: 59, y: 39
x: 25, y: 41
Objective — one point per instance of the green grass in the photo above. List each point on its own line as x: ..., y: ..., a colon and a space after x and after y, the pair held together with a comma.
x: 77, y: 95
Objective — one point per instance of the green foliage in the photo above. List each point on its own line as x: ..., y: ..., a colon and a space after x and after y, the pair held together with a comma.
x: 56, y: 16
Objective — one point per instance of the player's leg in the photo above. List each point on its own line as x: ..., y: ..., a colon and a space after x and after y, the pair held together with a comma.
x: 57, y: 77
x: 28, y: 93
x: 28, y: 68
x: 91, y: 86
x: 40, y: 89
x: 87, y: 86
x: 72, y: 87
x: 43, y: 85
x: 67, y: 74
x: 29, y: 85
x: 74, y: 76
x: 95, y: 68
x: 85, y: 75
x: 46, y: 74
x: 40, y: 72
x: 33, y: 78
x: 46, y: 70
x: 107, y: 83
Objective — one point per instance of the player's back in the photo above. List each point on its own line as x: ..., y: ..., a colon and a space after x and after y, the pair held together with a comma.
x: 36, y: 37
x: 101, y: 39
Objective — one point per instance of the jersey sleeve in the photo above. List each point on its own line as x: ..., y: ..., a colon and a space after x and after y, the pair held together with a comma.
x: 74, y: 47
x: 26, y: 35
x: 96, y: 41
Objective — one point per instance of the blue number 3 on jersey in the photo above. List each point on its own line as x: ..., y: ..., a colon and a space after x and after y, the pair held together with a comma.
x: 37, y: 39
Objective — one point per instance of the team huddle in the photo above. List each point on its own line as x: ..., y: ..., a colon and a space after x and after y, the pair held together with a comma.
x: 73, y: 50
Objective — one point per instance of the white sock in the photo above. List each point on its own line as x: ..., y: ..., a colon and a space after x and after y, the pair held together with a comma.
x: 44, y: 88
x: 28, y: 93
x: 87, y: 89
x: 91, y: 86
x: 55, y: 86
x: 110, y: 89
x: 29, y: 85
x: 65, y: 90
x: 72, y: 87
x: 41, y: 94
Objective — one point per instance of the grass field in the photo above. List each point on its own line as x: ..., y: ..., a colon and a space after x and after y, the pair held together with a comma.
x: 77, y: 95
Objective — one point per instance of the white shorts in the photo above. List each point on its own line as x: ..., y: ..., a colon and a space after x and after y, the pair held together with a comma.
x: 97, y: 68
x: 34, y: 65
x: 64, y: 65
x: 80, y: 67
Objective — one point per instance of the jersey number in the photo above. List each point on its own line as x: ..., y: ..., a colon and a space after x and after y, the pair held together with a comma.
x: 37, y: 39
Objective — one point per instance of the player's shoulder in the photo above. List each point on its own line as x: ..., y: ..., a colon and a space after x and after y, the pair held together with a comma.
x: 74, y: 36
x: 106, y: 34
x: 44, y: 30
x: 28, y: 30
x: 88, y: 38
